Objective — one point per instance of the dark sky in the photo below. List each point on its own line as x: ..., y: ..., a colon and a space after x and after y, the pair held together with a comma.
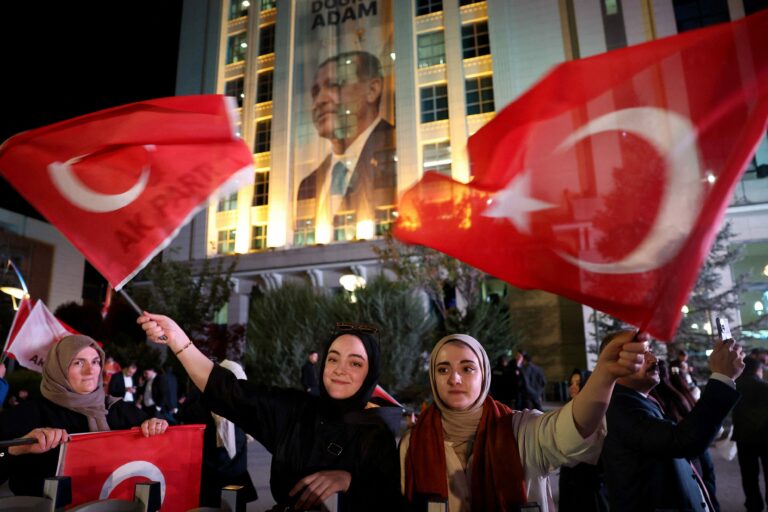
x: 59, y: 60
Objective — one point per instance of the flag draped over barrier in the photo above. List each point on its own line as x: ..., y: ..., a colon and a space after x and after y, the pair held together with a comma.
x: 121, y: 182
x: 607, y: 181
x: 107, y: 465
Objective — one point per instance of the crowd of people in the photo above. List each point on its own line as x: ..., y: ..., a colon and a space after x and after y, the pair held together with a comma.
x: 633, y: 437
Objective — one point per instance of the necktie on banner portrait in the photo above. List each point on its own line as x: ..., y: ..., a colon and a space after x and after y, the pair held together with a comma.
x: 107, y: 465
x: 608, y: 180
x: 121, y: 182
x: 34, y: 331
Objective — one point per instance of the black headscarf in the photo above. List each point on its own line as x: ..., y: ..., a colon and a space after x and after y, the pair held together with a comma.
x: 359, y: 400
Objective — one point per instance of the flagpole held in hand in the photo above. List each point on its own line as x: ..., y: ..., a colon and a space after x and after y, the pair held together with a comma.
x: 139, y: 311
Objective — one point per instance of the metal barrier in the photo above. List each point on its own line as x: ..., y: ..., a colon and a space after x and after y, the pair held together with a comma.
x: 57, y: 494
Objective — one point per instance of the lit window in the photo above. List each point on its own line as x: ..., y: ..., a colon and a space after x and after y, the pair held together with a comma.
x: 468, y: 2
x: 268, y: 4
x: 267, y: 39
x: 479, y: 95
x: 264, y: 86
x: 385, y: 218
x: 428, y: 6
x: 431, y: 47
x: 261, y: 189
x: 236, y: 46
x: 226, y: 241
x: 434, y: 103
x: 263, y: 138
x: 259, y: 238
x: 238, y: 9
x: 437, y: 157
x: 474, y: 39
x: 304, y: 233
x: 234, y: 88
x: 691, y: 14
x: 344, y: 227
x: 228, y: 203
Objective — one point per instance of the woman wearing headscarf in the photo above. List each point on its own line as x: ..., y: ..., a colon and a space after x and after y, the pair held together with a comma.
x: 479, y: 455
x: 319, y: 445
x: 72, y: 401
x: 581, y: 487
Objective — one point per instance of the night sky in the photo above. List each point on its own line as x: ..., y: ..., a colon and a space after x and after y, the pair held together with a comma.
x: 59, y: 60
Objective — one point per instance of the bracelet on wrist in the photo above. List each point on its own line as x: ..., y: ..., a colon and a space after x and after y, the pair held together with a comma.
x: 182, y: 349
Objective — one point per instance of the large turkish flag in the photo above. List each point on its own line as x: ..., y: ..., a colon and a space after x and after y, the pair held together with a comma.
x: 608, y: 180
x: 121, y: 182
x: 107, y: 465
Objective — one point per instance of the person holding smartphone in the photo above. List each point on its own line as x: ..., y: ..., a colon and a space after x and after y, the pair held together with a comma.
x: 647, y: 454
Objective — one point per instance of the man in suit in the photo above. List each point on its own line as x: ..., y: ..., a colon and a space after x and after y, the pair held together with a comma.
x: 310, y: 380
x: 647, y: 456
x: 359, y: 173
x: 121, y: 384
x: 534, y: 381
x: 750, y: 431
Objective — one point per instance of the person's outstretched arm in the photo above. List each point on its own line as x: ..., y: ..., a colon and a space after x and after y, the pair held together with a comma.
x: 195, y: 363
x: 623, y: 356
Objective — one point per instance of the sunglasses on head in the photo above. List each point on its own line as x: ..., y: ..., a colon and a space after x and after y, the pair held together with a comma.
x: 346, y: 327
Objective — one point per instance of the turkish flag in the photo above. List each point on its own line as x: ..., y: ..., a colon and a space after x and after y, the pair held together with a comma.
x: 34, y: 331
x: 608, y: 180
x: 107, y: 465
x: 121, y: 182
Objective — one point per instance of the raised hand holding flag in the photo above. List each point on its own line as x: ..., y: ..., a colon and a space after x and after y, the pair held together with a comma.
x: 607, y: 181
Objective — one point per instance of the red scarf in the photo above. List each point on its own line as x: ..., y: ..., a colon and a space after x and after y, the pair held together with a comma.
x: 497, y: 474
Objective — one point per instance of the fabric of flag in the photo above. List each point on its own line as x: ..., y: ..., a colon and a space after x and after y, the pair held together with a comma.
x: 107, y: 465
x: 37, y: 332
x: 25, y: 307
x: 607, y: 181
x: 121, y: 182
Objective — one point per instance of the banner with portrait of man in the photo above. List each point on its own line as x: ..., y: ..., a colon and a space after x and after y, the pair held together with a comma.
x: 345, y: 178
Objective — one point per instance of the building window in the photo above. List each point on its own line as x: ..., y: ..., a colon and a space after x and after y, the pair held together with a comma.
x: 428, y: 6
x: 261, y: 189
x: 234, y: 88
x: 236, y: 46
x: 437, y: 157
x: 385, y: 219
x: 238, y: 9
x: 264, y: 86
x: 262, y: 141
x: 474, y: 39
x: 431, y: 47
x: 752, y: 6
x: 434, y: 103
x: 344, y: 227
x: 304, y: 233
x: 226, y: 242
x: 268, y: 4
x: 468, y: 2
x: 259, y: 238
x: 691, y: 14
x: 228, y: 203
x: 479, y: 94
x: 267, y: 39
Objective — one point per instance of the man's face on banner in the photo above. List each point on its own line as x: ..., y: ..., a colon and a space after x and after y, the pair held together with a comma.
x: 343, y: 105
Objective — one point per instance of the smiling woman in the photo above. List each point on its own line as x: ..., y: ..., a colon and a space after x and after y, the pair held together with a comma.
x: 73, y: 401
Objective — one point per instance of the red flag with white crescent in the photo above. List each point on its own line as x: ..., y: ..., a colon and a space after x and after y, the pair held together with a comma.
x: 607, y: 181
x: 107, y: 465
x: 121, y: 182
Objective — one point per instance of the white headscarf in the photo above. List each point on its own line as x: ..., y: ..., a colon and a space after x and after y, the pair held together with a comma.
x: 225, y: 429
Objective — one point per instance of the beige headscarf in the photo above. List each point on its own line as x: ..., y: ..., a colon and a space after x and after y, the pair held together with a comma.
x: 225, y: 429
x: 460, y: 427
x: 56, y: 388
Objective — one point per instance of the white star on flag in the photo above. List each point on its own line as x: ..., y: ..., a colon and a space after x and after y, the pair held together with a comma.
x: 515, y: 202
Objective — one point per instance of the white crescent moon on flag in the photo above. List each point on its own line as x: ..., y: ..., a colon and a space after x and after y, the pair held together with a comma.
x: 80, y: 195
x: 674, y: 137
x: 133, y: 469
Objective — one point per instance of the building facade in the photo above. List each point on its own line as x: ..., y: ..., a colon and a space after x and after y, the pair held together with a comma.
x: 439, y: 71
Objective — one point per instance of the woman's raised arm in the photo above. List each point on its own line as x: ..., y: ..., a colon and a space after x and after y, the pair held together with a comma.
x: 164, y: 331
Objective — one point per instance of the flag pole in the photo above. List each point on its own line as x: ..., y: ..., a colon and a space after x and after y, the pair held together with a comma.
x: 130, y: 301
x: 11, y: 264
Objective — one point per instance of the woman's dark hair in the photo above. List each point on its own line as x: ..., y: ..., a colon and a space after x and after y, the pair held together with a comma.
x: 675, y: 404
x: 359, y: 400
x: 584, y: 374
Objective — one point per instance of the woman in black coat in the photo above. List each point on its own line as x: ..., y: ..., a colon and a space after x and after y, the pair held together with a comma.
x: 319, y: 445
x: 73, y: 401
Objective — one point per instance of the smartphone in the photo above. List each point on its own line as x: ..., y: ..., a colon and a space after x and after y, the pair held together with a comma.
x: 723, y: 329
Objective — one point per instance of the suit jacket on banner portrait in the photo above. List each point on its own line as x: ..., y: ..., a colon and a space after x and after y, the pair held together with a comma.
x: 107, y: 465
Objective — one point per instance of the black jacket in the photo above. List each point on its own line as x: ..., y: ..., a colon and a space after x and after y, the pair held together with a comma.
x: 27, y: 472
x: 310, y: 379
x: 304, y: 438
x: 646, y: 456
x: 750, y: 416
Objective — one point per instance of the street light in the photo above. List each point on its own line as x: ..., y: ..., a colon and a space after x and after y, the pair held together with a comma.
x: 13, y: 291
